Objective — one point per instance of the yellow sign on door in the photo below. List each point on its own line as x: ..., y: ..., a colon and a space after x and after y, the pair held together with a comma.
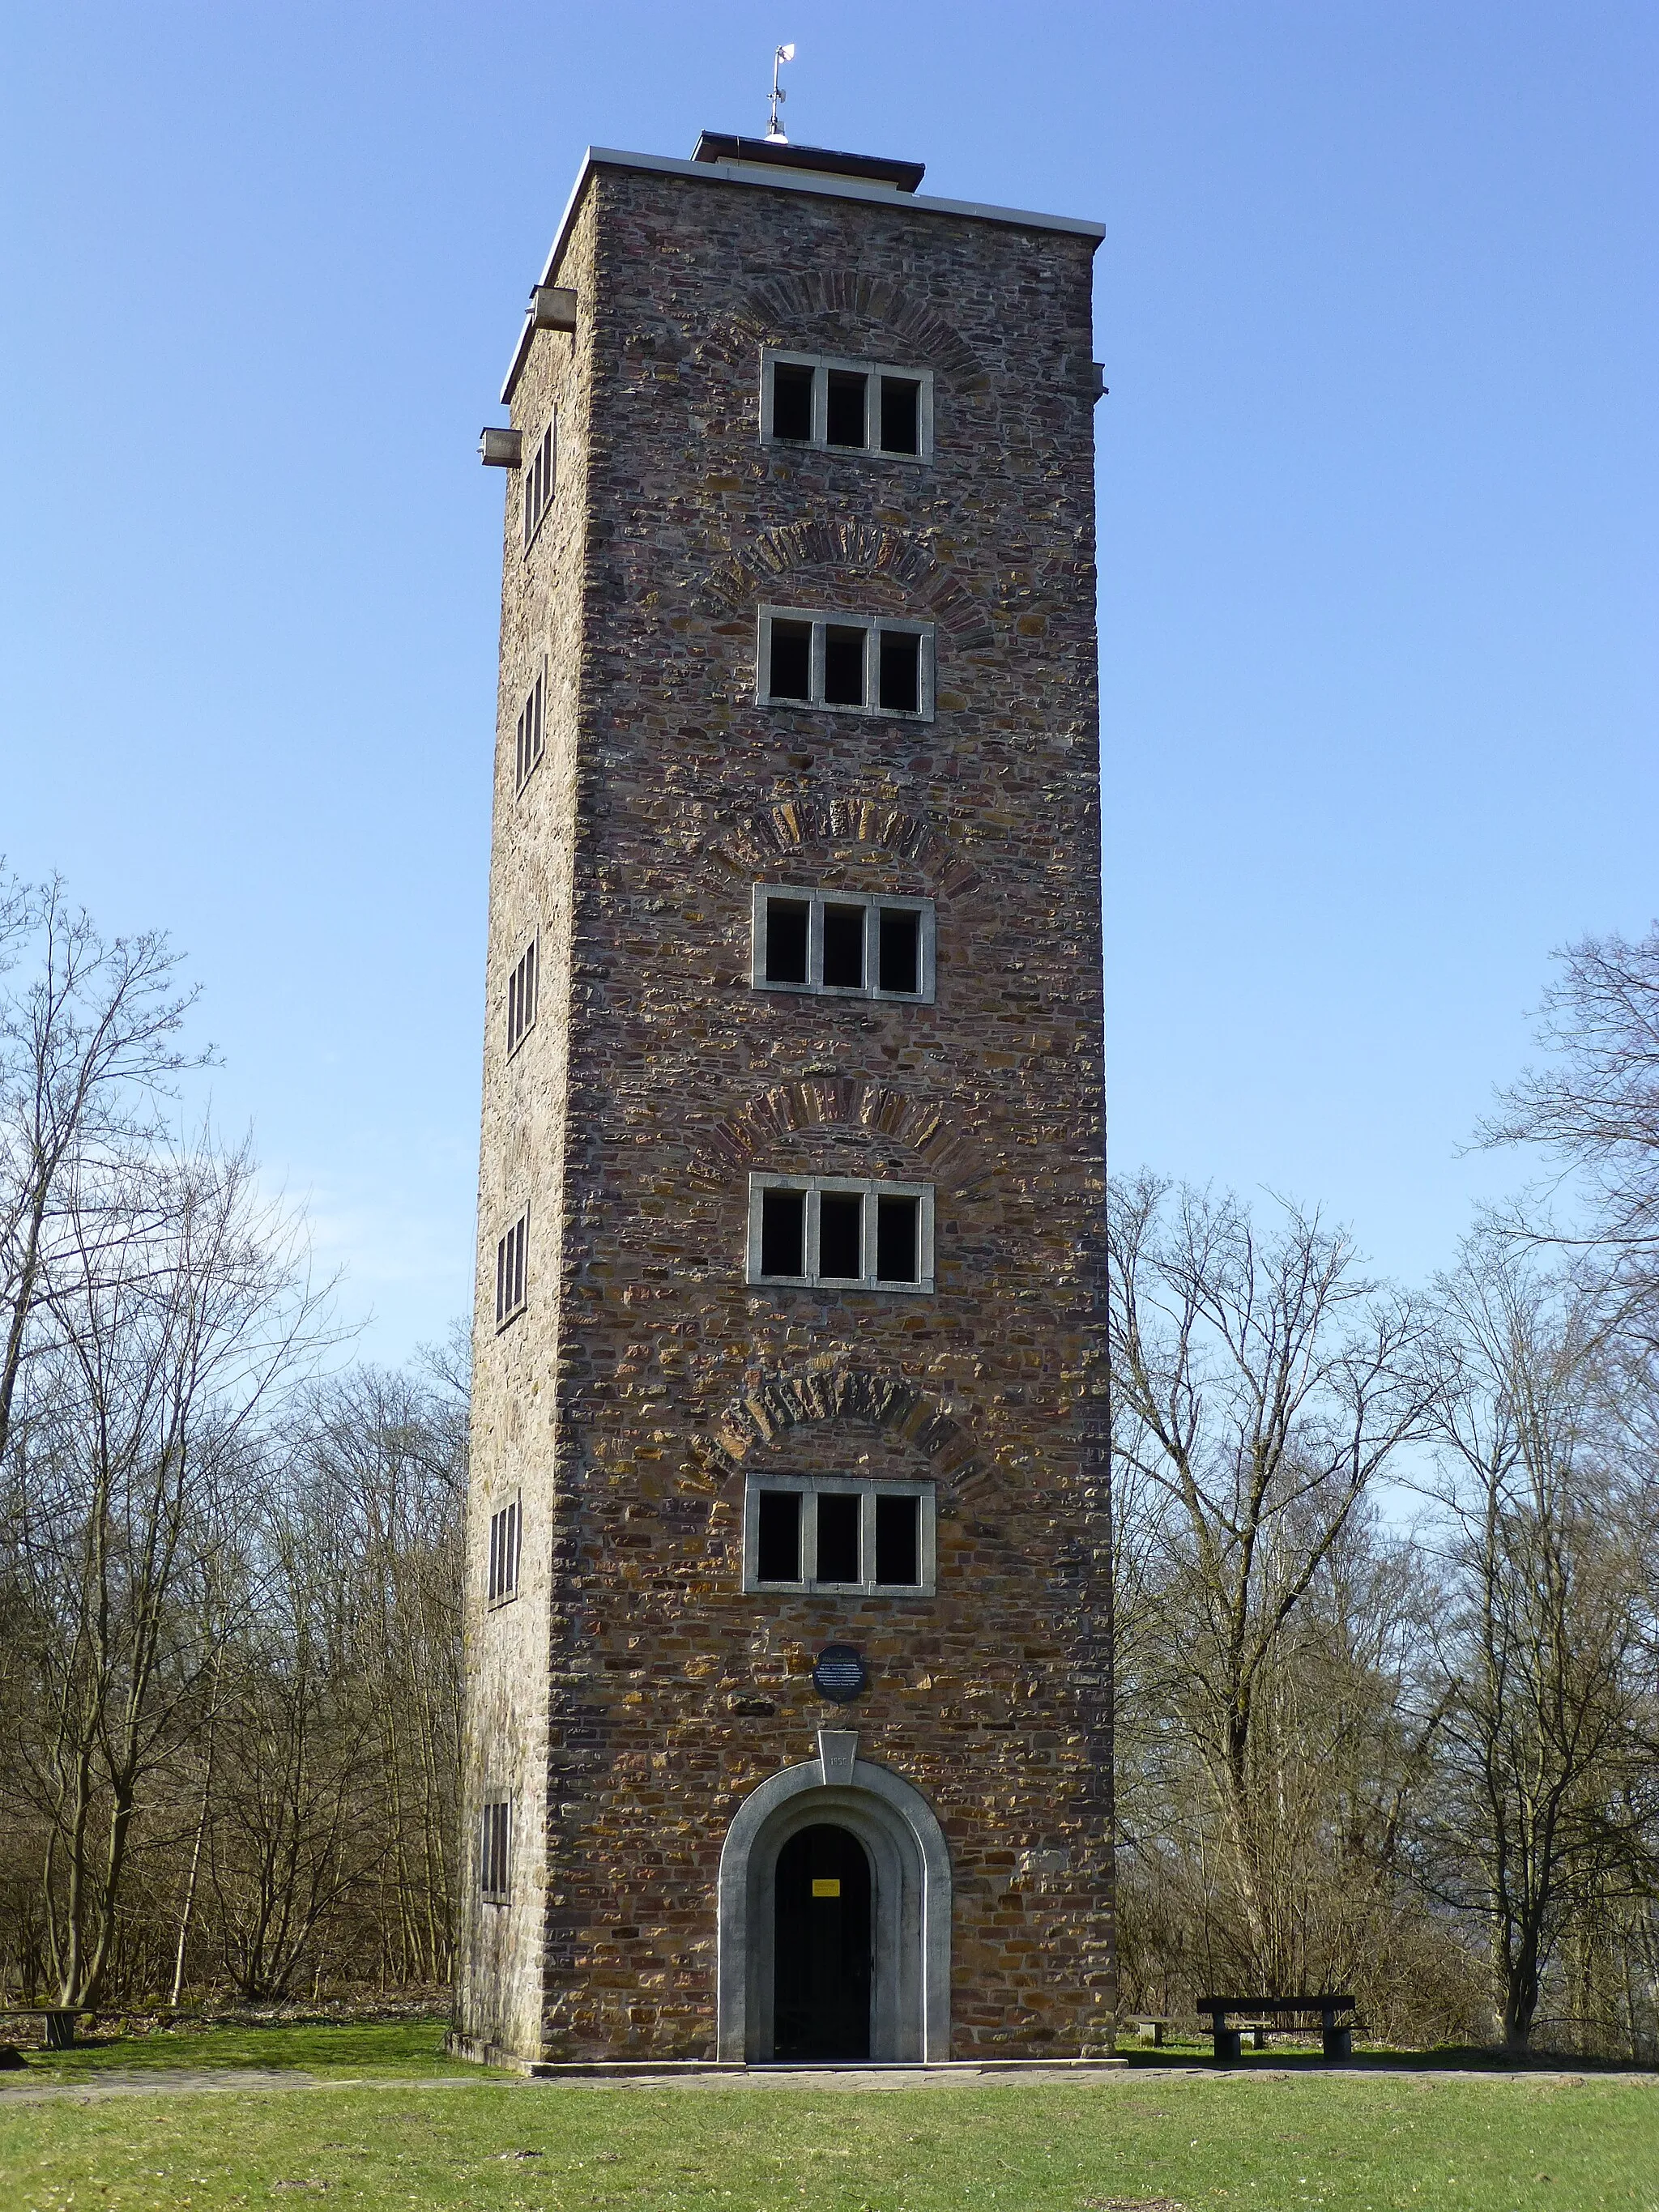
x: 829, y: 1889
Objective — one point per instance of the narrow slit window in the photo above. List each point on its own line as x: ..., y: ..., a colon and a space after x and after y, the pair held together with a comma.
x: 843, y: 1235
x: 839, y: 1534
x: 495, y: 1842
x: 521, y: 987
x: 512, y: 1270
x: 812, y: 941
x: 530, y: 739
x: 503, y: 1582
x: 853, y: 663
x: 539, y: 483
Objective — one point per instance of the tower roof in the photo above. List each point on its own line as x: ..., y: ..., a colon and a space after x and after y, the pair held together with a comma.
x: 777, y: 152
x: 805, y: 169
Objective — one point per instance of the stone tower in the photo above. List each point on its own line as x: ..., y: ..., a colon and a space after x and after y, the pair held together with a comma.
x: 788, y: 1627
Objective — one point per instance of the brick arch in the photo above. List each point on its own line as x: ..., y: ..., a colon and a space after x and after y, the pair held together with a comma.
x: 830, y: 1101
x: 842, y: 553
x: 781, y: 311
x: 791, y: 824
x: 777, y: 1403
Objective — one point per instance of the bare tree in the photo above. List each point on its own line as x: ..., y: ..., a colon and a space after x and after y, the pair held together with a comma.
x: 1259, y: 1385
x: 1540, y: 1756
x: 169, y: 1338
x: 85, y: 1049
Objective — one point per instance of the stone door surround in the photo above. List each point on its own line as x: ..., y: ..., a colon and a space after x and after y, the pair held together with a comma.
x: 911, y: 2004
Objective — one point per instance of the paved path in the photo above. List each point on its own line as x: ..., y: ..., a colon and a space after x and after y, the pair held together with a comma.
x: 242, y: 2080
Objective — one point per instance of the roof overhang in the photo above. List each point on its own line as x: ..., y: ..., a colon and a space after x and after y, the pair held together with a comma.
x: 776, y: 179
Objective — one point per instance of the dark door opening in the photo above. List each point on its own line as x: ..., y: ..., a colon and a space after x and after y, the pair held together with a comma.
x: 821, y: 1948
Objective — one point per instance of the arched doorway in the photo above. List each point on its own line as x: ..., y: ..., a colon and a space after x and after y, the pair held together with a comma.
x: 781, y: 1998
x: 822, y: 1935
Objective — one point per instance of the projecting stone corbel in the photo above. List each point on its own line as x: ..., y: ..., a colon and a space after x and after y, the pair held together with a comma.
x: 502, y: 449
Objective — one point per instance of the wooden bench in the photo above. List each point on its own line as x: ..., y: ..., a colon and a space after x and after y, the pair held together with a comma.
x: 1336, y: 2034
x: 58, y: 2021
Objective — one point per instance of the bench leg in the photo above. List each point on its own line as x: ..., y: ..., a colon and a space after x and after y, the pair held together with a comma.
x: 60, y: 2031
x: 1227, y: 2044
x: 1157, y: 2035
x: 1338, y: 2042
x: 1258, y: 2038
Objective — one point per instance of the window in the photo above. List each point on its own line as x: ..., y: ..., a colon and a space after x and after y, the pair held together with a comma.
x: 838, y: 1533
x: 827, y: 1230
x: 521, y: 999
x: 494, y: 1843
x: 845, y: 941
x: 847, y: 406
x: 538, y: 484
x: 532, y: 728
x: 504, y: 1555
x: 864, y: 664
x: 512, y: 1252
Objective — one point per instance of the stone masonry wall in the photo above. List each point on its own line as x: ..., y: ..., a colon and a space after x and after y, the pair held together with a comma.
x: 634, y: 1694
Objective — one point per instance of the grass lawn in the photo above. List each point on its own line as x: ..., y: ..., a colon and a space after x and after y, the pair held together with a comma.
x: 370, y: 2049
x: 1344, y: 2142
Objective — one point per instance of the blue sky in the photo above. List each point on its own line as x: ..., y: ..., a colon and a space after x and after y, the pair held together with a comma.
x: 1378, y: 530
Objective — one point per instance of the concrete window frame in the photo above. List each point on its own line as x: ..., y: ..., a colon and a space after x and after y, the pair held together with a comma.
x: 538, y: 478
x: 506, y: 1546
x: 875, y: 904
x: 820, y: 620
x: 866, y: 1489
x: 822, y: 364
x: 870, y: 1191
x: 910, y: 1865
